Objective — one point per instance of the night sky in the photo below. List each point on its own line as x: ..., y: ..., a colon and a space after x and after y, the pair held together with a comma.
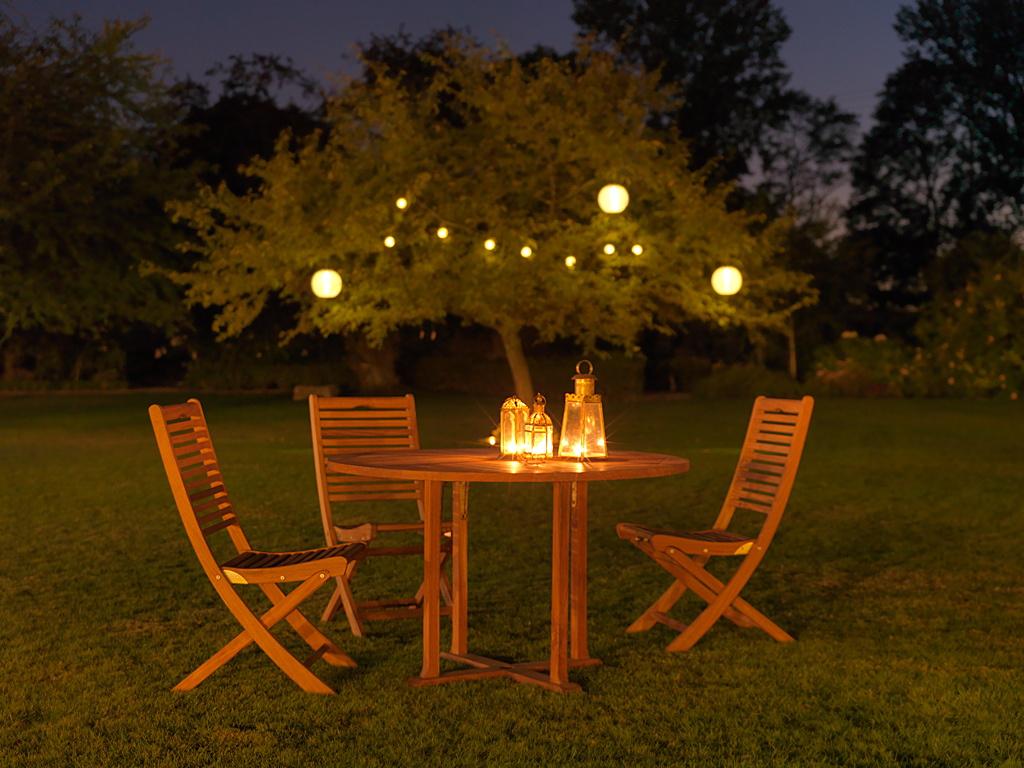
x: 838, y: 48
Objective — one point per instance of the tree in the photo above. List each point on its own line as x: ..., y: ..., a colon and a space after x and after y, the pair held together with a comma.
x: 90, y: 135
x: 943, y: 158
x: 725, y: 59
x: 520, y: 162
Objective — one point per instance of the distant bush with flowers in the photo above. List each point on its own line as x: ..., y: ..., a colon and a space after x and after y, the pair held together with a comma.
x: 970, y: 337
x: 972, y: 334
x: 866, y: 367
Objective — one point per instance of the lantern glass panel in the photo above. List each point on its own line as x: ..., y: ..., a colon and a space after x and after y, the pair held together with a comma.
x: 512, y: 426
x: 539, y: 443
x: 583, y: 422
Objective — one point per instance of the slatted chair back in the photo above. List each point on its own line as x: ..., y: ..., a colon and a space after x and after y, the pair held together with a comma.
x: 361, y: 425
x: 195, y: 479
x: 768, y: 462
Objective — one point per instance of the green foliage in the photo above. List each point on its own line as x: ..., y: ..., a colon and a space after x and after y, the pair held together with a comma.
x: 973, y: 333
x: 86, y: 165
x: 493, y: 148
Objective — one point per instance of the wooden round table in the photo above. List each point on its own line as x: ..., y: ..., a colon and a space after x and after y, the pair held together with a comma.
x: 460, y: 467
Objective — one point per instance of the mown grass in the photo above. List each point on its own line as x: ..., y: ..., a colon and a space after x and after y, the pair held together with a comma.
x: 898, y: 568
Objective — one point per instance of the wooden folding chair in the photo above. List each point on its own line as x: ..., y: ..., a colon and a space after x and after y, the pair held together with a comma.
x: 206, y: 509
x: 762, y: 482
x: 358, y: 425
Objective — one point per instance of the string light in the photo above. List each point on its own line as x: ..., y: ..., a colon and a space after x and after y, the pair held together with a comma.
x: 401, y: 203
x: 726, y: 281
x: 570, y: 261
x: 389, y: 242
x: 489, y: 244
x: 609, y: 249
x: 637, y: 249
x: 492, y: 440
x: 326, y: 283
x: 526, y: 251
x: 442, y: 232
x: 613, y: 198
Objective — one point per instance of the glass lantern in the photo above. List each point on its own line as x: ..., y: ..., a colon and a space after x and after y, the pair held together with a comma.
x: 512, y: 426
x: 539, y: 434
x: 583, y: 422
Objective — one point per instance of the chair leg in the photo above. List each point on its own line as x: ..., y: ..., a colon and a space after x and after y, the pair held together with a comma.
x: 258, y: 630
x: 322, y: 645
x: 348, y: 601
x: 723, y: 599
x: 663, y: 604
x: 332, y: 606
x: 750, y: 616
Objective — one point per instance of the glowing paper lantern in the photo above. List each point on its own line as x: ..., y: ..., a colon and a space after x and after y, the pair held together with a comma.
x: 401, y: 203
x: 389, y: 242
x: 613, y: 198
x: 583, y: 420
x: 526, y: 251
x: 442, y: 232
x: 326, y: 283
x: 570, y: 261
x: 489, y: 244
x: 512, y: 426
x: 609, y: 249
x: 726, y: 281
x: 637, y: 249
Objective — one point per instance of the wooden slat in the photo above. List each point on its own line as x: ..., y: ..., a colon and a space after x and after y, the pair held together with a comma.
x: 368, y: 432
x: 340, y: 442
x: 405, y: 487
x: 220, y: 526
x: 327, y: 416
x: 328, y: 424
x: 411, y: 496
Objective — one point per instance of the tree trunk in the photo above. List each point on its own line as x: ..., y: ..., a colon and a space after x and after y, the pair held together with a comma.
x: 516, y: 357
x: 791, y: 344
x: 374, y: 367
x: 12, y: 356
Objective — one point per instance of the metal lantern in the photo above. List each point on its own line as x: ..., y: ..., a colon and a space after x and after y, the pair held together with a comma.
x: 539, y: 440
x: 583, y: 422
x: 512, y: 426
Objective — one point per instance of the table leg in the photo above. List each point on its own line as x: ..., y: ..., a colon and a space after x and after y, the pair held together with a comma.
x: 578, y: 587
x: 560, y: 531
x: 431, y: 579
x: 460, y: 566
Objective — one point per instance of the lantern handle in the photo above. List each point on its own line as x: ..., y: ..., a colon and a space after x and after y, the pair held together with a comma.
x: 590, y: 368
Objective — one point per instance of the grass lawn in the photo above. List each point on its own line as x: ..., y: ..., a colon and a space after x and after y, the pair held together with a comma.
x: 898, y: 568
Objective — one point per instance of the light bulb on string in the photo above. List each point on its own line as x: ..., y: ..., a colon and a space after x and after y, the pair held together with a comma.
x: 326, y: 283
x: 401, y: 203
x: 526, y: 251
x: 609, y: 249
x: 389, y: 242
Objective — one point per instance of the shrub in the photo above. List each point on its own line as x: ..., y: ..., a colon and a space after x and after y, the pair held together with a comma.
x: 861, y: 367
x: 973, y: 335
x: 746, y: 381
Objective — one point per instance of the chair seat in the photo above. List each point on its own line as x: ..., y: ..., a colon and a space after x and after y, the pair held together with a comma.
x: 253, y: 567
x: 709, y: 542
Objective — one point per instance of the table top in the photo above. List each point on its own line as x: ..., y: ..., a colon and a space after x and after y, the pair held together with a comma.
x: 483, y: 465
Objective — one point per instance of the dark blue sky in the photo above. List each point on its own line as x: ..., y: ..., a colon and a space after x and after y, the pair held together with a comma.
x: 840, y: 48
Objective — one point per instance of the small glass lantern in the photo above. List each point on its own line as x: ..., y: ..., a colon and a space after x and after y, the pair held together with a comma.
x: 539, y: 444
x: 512, y: 426
x: 583, y: 422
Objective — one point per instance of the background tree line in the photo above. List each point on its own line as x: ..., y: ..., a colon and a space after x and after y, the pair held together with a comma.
x: 884, y: 263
